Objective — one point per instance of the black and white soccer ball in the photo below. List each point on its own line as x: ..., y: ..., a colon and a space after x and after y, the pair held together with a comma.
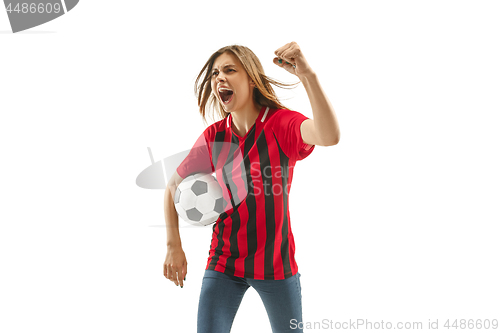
x: 198, y: 199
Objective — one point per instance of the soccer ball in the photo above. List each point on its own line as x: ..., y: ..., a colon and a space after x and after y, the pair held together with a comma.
x: 198, y: 199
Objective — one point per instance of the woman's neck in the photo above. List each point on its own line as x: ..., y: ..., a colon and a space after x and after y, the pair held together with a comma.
x: 244, y: 119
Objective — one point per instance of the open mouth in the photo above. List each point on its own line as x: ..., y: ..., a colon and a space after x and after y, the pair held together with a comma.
x: 226, y: 95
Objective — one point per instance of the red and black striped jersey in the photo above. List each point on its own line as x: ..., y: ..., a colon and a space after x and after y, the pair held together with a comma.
x: 252, y: 238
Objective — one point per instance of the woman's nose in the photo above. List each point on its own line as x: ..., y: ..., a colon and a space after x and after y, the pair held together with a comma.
x: 220, y: 78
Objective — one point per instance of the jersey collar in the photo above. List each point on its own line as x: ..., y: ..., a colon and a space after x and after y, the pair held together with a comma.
x: 261, y: 118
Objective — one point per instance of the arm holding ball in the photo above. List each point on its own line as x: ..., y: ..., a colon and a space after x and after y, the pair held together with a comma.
x: 175, y: 266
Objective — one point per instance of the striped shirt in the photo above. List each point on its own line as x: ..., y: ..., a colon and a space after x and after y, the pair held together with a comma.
x: 252, y: 238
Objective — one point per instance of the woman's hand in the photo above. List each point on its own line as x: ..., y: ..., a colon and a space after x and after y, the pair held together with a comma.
x: 175, y: 266
x: 293, y: 60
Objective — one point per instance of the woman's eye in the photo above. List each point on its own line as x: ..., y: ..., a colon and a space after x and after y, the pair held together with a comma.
x: 229, y: 70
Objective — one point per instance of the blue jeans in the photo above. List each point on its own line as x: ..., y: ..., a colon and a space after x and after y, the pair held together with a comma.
x: 221, y: 295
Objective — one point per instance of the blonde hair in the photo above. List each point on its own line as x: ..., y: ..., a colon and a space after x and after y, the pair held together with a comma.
x: 263, y: 93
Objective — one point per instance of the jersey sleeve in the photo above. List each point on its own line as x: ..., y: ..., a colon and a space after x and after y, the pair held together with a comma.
x: 198, y: 159
x: 287, y: 130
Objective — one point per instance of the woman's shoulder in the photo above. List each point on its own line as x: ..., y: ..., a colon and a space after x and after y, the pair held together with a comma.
x: 217, y: 126
x: 284, y: 116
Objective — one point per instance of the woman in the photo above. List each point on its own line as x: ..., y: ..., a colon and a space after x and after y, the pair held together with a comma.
x: 253, y: 151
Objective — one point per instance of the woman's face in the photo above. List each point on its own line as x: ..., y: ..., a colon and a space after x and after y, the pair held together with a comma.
x: 230, y: 82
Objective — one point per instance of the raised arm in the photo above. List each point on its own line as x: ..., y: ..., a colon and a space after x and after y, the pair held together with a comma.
x: 323, y: 129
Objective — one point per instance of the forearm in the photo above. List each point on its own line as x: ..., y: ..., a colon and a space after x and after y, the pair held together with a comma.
x: 325, y: 119
x: 171, y: 220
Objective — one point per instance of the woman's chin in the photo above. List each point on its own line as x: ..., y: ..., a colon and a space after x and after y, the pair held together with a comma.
x: 228, y: 108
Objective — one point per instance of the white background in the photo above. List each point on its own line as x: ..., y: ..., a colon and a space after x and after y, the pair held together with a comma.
x: 398, y: 222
